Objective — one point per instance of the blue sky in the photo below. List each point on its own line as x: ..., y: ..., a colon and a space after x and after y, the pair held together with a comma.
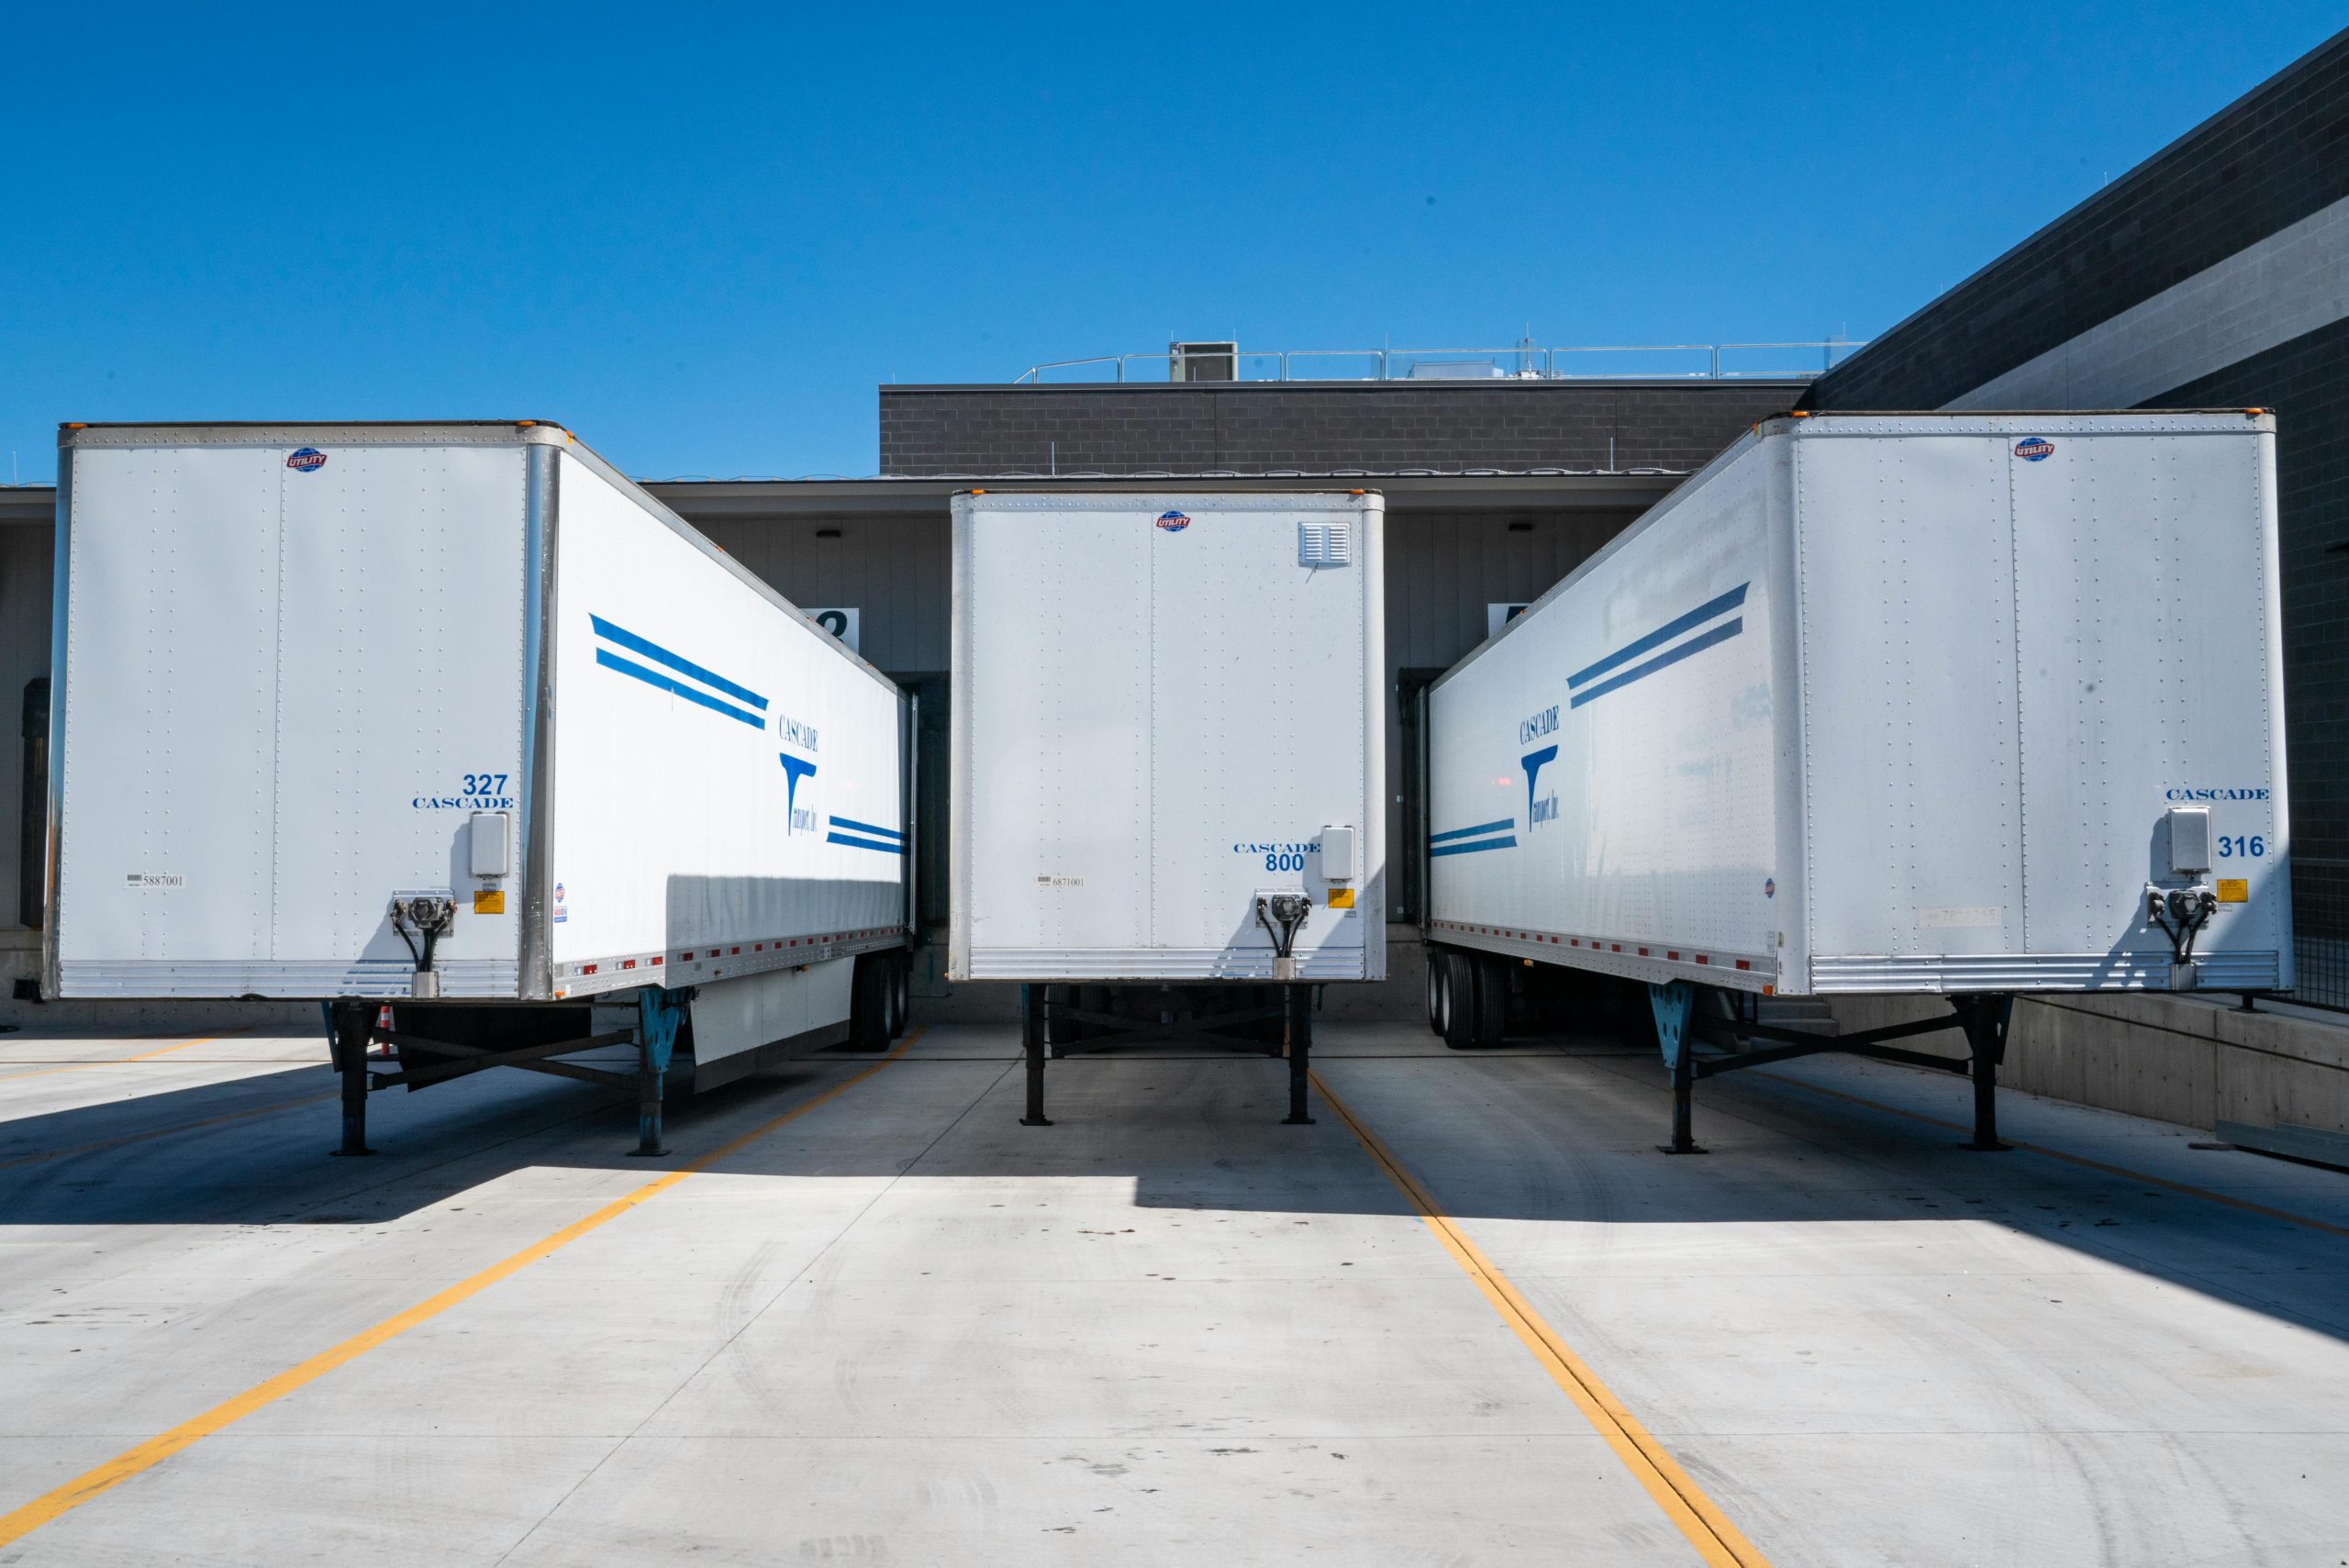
x: 701, y: 235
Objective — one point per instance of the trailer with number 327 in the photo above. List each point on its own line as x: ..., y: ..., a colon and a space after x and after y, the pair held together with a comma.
x: 456, y: 730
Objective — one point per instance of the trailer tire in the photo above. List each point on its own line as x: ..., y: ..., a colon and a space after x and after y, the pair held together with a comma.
x: 893, y: 1022
x: 1435, y: 990
x: 901, y: 993
x: 1491, y: 1015
x: 868, y: 1004
x: 1460, y: 1000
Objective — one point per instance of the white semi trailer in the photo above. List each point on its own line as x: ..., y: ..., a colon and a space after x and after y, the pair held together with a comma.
x: 454, y: 718
x: 1168, y: 761
x: 1959, y: 705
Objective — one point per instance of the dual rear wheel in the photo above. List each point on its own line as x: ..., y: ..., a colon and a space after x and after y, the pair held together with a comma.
x: 880, y: 999
x: 1468, y: 999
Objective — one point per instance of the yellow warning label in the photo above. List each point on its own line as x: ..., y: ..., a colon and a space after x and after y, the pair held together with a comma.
x: 489, y: 901
x: 1341, y: 898
x: 2234, y: 890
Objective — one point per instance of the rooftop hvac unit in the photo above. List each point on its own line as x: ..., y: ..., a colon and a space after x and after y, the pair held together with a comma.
x: 1203, y: 362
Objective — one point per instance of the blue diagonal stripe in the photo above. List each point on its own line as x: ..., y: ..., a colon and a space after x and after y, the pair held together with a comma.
x: 1721, y: 633
x: 1662, y: 634
x: 661, y: 655
x: 1472, y: 832
x: 1507, y: 843
x: 866, y: 828
x: 856, y: 843
x: 611, y: 660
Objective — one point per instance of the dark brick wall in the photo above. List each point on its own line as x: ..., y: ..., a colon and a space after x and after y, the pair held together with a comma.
x: 2306, y: 382
x: 2263, y: 163
x: 1257, y: 427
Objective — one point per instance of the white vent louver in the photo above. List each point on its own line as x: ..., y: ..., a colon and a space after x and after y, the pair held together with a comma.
x: 1325, y: 544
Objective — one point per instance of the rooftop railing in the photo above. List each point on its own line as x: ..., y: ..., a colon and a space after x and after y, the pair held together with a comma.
x: 1644, y: 361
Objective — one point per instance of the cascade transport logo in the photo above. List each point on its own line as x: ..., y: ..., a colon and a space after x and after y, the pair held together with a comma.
x: 2033, y: 448
x: 306, y: 460
x: 1539, y: 808
x: 1173, y: 522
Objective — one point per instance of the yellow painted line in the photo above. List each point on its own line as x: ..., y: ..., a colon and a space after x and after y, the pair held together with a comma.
x: 20, y: 1522
x: 115, y: 1060
x: 2285, y: 1215
x: 1716, y: 1540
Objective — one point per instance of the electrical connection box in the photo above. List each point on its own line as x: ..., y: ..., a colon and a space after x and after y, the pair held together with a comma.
x: 490, y: 841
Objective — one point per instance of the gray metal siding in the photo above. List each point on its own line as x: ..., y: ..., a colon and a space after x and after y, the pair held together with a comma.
x: 896, y: 570
x: 26, y: 555
x: 1443, y: 571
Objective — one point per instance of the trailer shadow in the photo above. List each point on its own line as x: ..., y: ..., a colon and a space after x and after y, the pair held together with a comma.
x: 1561, y: 1134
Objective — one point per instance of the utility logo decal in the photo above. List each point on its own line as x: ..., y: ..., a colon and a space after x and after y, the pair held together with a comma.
x: 306, y: 460
x: 1173, y: 522
x: 2034, y: 449
x: 562, y: 907
x: 1769, y: 887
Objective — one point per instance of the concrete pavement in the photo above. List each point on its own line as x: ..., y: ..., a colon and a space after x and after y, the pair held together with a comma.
x: 900, y: 1328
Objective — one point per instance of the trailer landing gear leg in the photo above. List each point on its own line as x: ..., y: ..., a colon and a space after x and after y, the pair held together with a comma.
x: 658, y: 1013
x: 1675, y: 1005
x: 1984, y: 1019
x: 1296, y: 1039
x: 1031, y: 1036
x: 350, y: 1025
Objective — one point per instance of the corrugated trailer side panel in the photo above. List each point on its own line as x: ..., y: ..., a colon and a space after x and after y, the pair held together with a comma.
x: 289, y: 669
x: 1602, y: 778
x: 725, y: 779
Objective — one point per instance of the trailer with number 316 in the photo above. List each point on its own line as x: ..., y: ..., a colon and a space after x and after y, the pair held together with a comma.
x: 1952, y: 704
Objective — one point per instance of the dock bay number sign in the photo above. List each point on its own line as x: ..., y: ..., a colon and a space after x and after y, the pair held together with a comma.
x: 840, y: 623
